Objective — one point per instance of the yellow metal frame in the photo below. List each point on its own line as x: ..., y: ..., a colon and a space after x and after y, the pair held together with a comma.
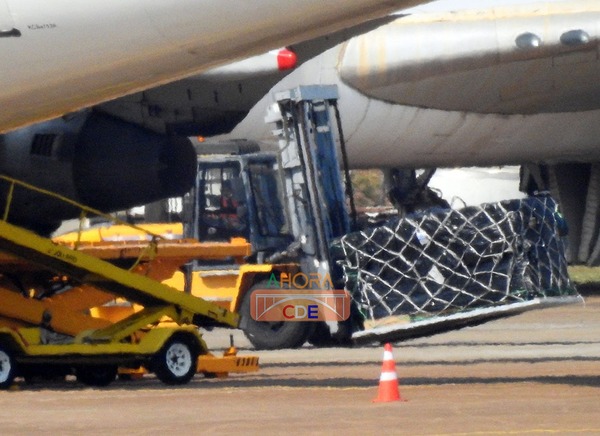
x: 227, y: 287
x: 85, y: 210
x: 150, y: 344
x: 69, y: 320
x: 221, y: 366
x: 103, y: 275
x: 140, y: 334
x: 140, y: 320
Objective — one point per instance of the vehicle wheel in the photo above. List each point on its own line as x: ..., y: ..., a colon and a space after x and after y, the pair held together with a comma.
x: 272, y: 335
x: 321, y: 336
x: 96, y: 375
x: 176, y: 362
x: 7, y: 368
x: 33, y: 373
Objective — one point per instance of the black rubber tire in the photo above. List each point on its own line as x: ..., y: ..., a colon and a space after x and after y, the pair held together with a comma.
x: 96, y: 375
x: 321, y: 336
x: 272, y: 335
x: 176, y: 362
x: 7, y: 368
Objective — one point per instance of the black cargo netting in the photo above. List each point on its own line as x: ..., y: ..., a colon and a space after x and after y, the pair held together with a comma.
x: 450, y: 261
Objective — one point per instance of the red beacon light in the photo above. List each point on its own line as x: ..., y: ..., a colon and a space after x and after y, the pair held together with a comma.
x: 286, y: 59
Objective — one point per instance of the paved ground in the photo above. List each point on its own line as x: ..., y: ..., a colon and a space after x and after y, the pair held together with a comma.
x: 536, y: 373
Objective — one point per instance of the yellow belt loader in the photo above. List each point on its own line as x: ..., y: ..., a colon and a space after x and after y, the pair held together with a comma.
x: 47, y: 290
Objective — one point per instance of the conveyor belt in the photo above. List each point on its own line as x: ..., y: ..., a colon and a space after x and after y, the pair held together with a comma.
x: 87, y: 269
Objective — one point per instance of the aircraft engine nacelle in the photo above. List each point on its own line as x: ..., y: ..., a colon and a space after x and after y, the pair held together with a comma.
x: 532, y: 59
x: 94, y: 159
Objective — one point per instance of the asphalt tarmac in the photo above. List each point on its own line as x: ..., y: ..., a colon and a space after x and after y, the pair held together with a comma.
x: 535, y: 373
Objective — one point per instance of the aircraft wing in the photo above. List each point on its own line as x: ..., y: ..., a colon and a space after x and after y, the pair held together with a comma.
x: 134, y: 150
x: 66, y: 56
x: 214, y: 102
x: 497, y: 86
x: 503, y: 85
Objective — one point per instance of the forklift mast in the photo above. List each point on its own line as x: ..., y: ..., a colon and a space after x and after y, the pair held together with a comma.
x: 289, y: 204
x: 309, y: 130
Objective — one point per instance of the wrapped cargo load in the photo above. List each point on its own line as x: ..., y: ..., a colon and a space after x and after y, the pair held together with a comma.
x: 447, y: 268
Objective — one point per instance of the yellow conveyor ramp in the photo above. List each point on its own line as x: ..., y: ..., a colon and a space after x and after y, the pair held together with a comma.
x: 87, y: 269
x: 47, y: 287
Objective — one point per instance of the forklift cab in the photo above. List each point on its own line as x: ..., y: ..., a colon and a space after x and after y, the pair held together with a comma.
x: 223, y: 213
x: 239, y: 195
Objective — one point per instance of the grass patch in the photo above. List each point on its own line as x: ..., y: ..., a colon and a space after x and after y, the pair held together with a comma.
x: 586, y: 278
x: 582, y: 275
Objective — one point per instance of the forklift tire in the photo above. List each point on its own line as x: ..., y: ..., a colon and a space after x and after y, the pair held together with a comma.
x: 272, y: 335
x: 176, y: 362
x: 321, y: 336
x: 96, y: 375
x: 7, y: 368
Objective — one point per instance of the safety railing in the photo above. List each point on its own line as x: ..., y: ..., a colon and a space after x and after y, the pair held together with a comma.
x: 85, y: 212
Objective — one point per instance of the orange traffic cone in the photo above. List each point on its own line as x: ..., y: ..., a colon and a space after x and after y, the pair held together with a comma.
x: 388, y: 382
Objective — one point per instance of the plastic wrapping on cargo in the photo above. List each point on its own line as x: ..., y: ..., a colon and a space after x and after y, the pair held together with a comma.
x: 448, y: 261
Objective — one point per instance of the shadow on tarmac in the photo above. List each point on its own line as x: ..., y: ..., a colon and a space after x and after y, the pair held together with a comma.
x: 258, y: 381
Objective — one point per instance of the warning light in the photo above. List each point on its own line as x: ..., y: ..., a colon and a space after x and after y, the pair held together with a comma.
x: 286, y: 59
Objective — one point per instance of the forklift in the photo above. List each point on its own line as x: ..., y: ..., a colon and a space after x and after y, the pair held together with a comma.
x: 290, y: 203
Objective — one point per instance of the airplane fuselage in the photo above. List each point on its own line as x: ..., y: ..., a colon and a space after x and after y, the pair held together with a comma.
x: 475, y: 88
x: 65, y: 55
